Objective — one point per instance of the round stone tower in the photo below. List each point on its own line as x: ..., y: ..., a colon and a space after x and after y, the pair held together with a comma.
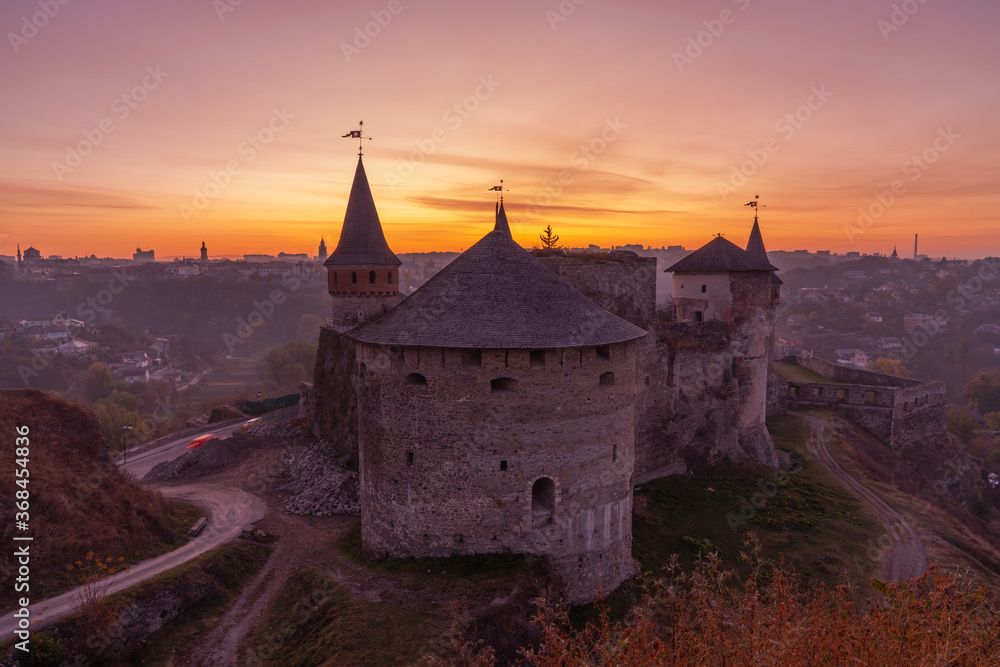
x: 497, y: 413
x: 362, y: 272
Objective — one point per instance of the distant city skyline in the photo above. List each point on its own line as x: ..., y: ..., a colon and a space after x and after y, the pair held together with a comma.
x: 857, y: 123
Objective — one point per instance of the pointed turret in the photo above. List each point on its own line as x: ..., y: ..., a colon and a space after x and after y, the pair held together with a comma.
x: 362, y: 272
x: 501, y: 223
x: 756, y: 250
x: 361, y: 238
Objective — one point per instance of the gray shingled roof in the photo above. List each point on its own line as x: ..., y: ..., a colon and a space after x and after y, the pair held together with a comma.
x: 496, y: 295
x: 719, y: 255
x: 361, y: 238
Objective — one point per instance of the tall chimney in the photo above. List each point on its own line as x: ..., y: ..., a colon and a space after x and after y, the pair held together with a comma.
x: 914, y: 246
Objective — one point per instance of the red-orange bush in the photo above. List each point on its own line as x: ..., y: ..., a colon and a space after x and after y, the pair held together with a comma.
x: 711, y: 616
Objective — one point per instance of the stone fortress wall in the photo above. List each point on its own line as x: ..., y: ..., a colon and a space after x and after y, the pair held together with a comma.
x: 701, y: 385
x: 896, y: 410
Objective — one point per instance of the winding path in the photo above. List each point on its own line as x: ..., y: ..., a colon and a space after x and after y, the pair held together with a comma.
x: 229, y: 510
x: 906, y: 558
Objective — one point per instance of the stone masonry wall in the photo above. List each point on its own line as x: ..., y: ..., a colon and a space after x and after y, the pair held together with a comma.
x: 688, y: 399
x: 868, y: 406
x: 896, y: 415
x: 850, y: 374
x: 752, y: 337
x: 333, y: 402
x: 454, y: 463
x: 619, y: 281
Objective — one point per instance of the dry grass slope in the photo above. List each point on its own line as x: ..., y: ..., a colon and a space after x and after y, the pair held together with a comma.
x: 79, y: 501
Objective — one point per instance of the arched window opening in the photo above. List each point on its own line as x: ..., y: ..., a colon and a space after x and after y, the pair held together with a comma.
x: 608, y: 379
x: 503, y: 385
x: 371, y: 277
x: 416, y: 380
x: 354, y: 277
x: 543, y: 500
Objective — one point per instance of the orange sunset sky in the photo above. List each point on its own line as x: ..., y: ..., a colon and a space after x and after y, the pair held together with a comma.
x: 660, y: 119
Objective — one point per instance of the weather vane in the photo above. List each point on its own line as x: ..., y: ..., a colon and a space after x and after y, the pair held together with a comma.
x: 498, y: 188
x: 359, y: 135
x: 756, y: 204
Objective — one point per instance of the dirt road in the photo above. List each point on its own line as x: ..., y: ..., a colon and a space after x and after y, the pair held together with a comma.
x: 228, y: 509
x: 905, y: 558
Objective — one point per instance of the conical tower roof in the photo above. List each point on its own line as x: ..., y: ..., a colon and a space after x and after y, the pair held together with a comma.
x: 756, y: 251
x: 496, y: 295
x: 361, y: 238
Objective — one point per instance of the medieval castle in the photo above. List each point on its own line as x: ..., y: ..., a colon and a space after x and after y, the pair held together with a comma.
x: 513, y: 401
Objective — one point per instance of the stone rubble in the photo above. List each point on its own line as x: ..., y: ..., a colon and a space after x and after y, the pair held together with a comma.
x: 321, y: 485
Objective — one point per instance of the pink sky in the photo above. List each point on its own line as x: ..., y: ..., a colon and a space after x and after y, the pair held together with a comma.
x: 653, y: 140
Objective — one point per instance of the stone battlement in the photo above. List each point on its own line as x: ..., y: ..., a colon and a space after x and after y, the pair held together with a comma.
x: 895, y: 410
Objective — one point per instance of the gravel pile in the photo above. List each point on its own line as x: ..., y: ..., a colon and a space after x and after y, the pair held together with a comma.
x: 321, y: 485
x: 273, y: 430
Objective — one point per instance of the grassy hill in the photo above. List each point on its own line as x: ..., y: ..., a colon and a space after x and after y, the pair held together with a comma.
x: 79, y: 501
